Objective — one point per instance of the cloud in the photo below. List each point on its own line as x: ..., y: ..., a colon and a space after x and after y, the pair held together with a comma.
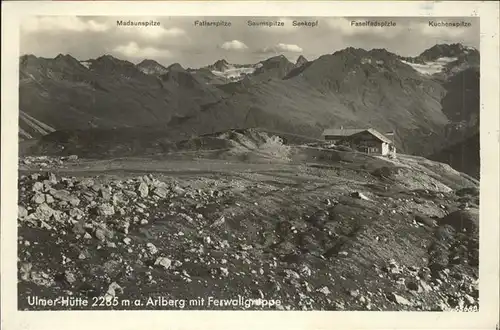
x: 279, y: 48
x: 133, y: 50
x: 155, y: 32
x: 61, y: 23
x: 340, y: 24
x: 91, y: 36
x: 234, y: 45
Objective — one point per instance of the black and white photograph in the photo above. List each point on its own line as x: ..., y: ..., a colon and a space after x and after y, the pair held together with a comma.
x: 249, y: 163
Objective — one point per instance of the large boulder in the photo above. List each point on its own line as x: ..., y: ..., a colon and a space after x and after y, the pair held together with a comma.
x: 65, y: 196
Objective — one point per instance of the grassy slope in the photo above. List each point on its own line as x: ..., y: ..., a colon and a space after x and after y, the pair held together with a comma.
x: 68, y: 95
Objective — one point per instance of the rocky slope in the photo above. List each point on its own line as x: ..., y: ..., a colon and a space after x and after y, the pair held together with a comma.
x: 31, y: 128
x: 306, y: 228
x: 301, y: 60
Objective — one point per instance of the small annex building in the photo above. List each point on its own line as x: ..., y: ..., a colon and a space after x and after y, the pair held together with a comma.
x: 367, y: 140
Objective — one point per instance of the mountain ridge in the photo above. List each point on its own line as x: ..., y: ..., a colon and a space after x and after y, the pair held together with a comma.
x: 352, y: 86
x: 152, y: 67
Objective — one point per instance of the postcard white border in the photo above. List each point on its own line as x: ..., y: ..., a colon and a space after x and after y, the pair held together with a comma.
x: 486, y: 318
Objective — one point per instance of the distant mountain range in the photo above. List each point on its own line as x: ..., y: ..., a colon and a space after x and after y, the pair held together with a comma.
x: 431, y: 100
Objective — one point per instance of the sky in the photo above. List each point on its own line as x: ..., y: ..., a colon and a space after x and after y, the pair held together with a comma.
x: 180, y: 40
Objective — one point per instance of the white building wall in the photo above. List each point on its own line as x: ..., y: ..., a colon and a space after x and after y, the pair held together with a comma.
x: 385, y: 149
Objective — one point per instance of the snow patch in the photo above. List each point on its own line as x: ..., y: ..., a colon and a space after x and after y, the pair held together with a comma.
x: 152, y: 70
x: 234, y: 73
x: 85, y: 64
x: 433, y: 67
